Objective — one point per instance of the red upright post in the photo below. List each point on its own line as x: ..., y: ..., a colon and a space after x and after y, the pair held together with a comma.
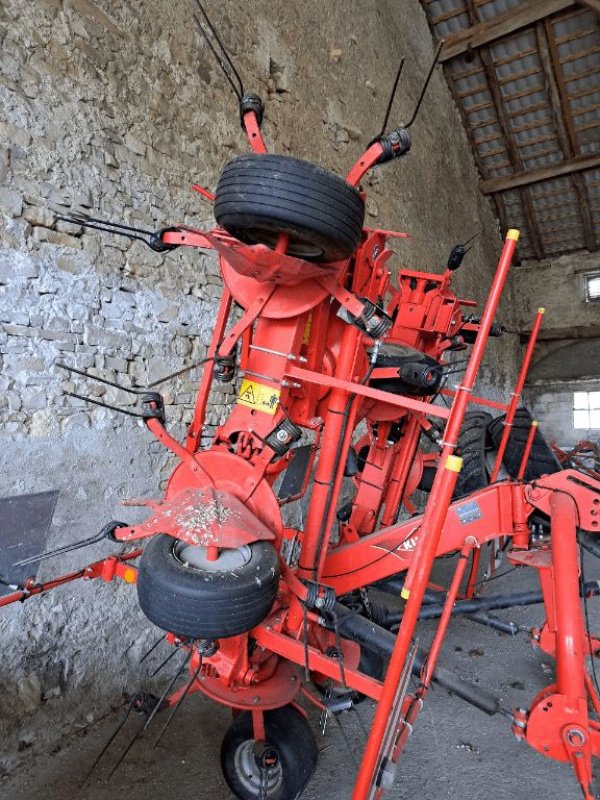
x: 516, y: 395
x: 431, y: 529
x: 526, y: 452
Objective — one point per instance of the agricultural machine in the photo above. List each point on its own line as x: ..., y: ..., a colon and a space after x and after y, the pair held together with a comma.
x: 340, y: 367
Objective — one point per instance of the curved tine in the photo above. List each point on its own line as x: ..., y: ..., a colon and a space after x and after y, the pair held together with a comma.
x: 392, y: 96
x: 177, y: 706
x: 180, y: 372
x: 98, y: 379
x: 152, y: 649
x: 164, y: 663
x: 105, y: 405
x: 218, y: 59
x: 215, y: 33
x: 113, y: 736
x: 80, y: 215
x: 166, y: 692
x: 68, y: 548
x: 103, y: 228
x: 154, y: 712
x: 425, y: 84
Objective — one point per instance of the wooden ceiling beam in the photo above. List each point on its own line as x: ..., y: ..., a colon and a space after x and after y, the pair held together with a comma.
x: 491, y: 30
x: 527, y: 177
x: 593, y: 4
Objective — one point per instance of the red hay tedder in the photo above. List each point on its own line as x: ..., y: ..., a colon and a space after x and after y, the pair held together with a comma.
x: 339, y: 364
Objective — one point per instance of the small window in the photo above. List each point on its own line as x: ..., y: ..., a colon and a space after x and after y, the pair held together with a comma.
x: 592, y: 287
x: 586, y: 410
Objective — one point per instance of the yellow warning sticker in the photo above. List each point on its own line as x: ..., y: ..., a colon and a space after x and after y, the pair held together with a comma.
x: 259, y: 396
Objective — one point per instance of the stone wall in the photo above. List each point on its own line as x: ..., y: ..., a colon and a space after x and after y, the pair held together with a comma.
x: 117, y: 107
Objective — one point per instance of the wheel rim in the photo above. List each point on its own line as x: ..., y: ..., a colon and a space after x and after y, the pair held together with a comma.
x: 194, y: 557
x: 298, y: 247
x: 248, y: 772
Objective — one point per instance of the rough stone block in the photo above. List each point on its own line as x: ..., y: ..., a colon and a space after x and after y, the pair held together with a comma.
x: 11, y: 202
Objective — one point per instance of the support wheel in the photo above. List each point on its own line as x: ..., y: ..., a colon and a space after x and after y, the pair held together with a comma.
x: 542, y: 460
x: 182, y: 591
x: 285, y: 762
x: 259, y: 197
x: 473, y: 442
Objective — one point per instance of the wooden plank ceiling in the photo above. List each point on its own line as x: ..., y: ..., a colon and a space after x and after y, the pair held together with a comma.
x: 525, y: 75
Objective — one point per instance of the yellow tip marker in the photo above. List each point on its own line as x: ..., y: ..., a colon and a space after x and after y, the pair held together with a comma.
x: 513, y: 233
x: 129, y: 575
x: 405, y: 593
x: 534, y: 423
x: 541, y: 310
x: 454, y: 463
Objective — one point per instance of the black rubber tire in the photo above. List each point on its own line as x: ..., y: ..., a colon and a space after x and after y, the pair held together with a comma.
x: 206, y: 604
x: 260, y: 196
x: 542, y: 460
x: 473, y: 441
x: 289, y: 733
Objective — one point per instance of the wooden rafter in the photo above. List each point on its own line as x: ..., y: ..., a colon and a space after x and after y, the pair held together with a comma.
x: 593, y: 4
x: 482, y: 33
x: 493, y: 86
x: 527, y: 177
x: 563, y: 122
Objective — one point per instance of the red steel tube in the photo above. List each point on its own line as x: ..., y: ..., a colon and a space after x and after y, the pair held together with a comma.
x: 333, y: 431
x: 400, y: 471
x: 194, y: 433
x: 94, y: 570
x: 527, y: 451
x: 570, y: 650
x: 438, y: 639
x: 253, y: 133
x: 433, y: 520
x: 516, y: 395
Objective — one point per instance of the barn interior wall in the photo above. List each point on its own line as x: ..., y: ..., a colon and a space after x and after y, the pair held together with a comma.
x: 567, y: 357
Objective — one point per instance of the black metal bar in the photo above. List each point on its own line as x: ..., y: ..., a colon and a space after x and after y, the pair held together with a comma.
x: 360, y: 629
x: 532, y: 598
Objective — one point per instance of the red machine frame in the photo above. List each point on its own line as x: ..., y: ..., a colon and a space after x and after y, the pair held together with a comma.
x: 317, y: 376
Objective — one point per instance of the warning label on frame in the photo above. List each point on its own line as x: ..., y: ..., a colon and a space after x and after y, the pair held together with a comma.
x: 259, y: 396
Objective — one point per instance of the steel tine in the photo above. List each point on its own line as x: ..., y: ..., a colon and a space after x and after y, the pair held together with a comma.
x: 392, y: 97
x: 82, y: 217
x: 164, y: 663
x: 164, y: 695
x: 106, y: 531
x: 153, y: 713
x: 113, y: 736
x: 179, y: 372
x: 104, y: 405
x: 346, y: 740
x: 239, y: 91
x: 425, y: 84
x: 152, y: 649
x: 103, y: 228
x: 179, y: 703
x: 99, y: 379
x: 124, y: 753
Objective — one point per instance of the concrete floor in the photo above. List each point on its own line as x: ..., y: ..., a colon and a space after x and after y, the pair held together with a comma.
x: 456, y: 751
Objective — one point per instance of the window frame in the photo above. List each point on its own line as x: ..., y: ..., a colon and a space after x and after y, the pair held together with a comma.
x: 588, y: 408
x: 587, y: 278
